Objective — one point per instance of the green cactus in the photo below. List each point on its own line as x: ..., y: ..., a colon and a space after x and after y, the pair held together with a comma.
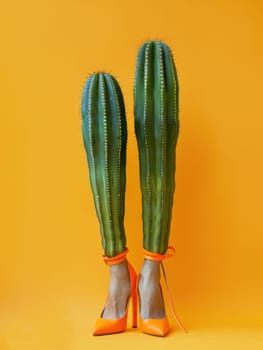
x: 104, y: 131
x: 156, y: 128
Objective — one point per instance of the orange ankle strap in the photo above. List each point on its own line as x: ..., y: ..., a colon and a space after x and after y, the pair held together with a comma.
x: 115, y: 259
x: 159, y: 257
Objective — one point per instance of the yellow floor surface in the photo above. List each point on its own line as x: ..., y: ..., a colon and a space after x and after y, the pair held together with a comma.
x: 68, y: 326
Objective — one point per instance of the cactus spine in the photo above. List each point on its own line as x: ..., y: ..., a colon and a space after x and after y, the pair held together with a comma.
x: 104, y: 132
x: 156, y: 128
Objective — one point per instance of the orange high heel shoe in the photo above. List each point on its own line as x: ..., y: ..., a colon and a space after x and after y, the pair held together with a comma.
x: 105, y: 326
x: 153, y: 326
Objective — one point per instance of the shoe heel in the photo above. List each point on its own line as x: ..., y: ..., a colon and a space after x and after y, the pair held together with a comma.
x: 134, y: 307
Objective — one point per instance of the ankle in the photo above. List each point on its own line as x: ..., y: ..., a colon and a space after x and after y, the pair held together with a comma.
x: 119, y: 280
x: 150, y: 271
x: 120, y: 270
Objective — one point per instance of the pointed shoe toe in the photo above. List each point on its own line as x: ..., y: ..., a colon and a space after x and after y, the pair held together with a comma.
x: 106, y: 326
x: 156, y: 327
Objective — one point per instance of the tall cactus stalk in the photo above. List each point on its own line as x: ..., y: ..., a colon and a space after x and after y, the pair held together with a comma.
x: 156, y: 128
x: 104, y: 131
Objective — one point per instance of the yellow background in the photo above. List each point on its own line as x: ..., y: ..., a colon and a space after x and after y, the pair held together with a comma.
x: 53, y: 282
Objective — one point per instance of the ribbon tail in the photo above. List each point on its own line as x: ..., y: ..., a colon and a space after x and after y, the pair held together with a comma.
x: 172, y: 308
